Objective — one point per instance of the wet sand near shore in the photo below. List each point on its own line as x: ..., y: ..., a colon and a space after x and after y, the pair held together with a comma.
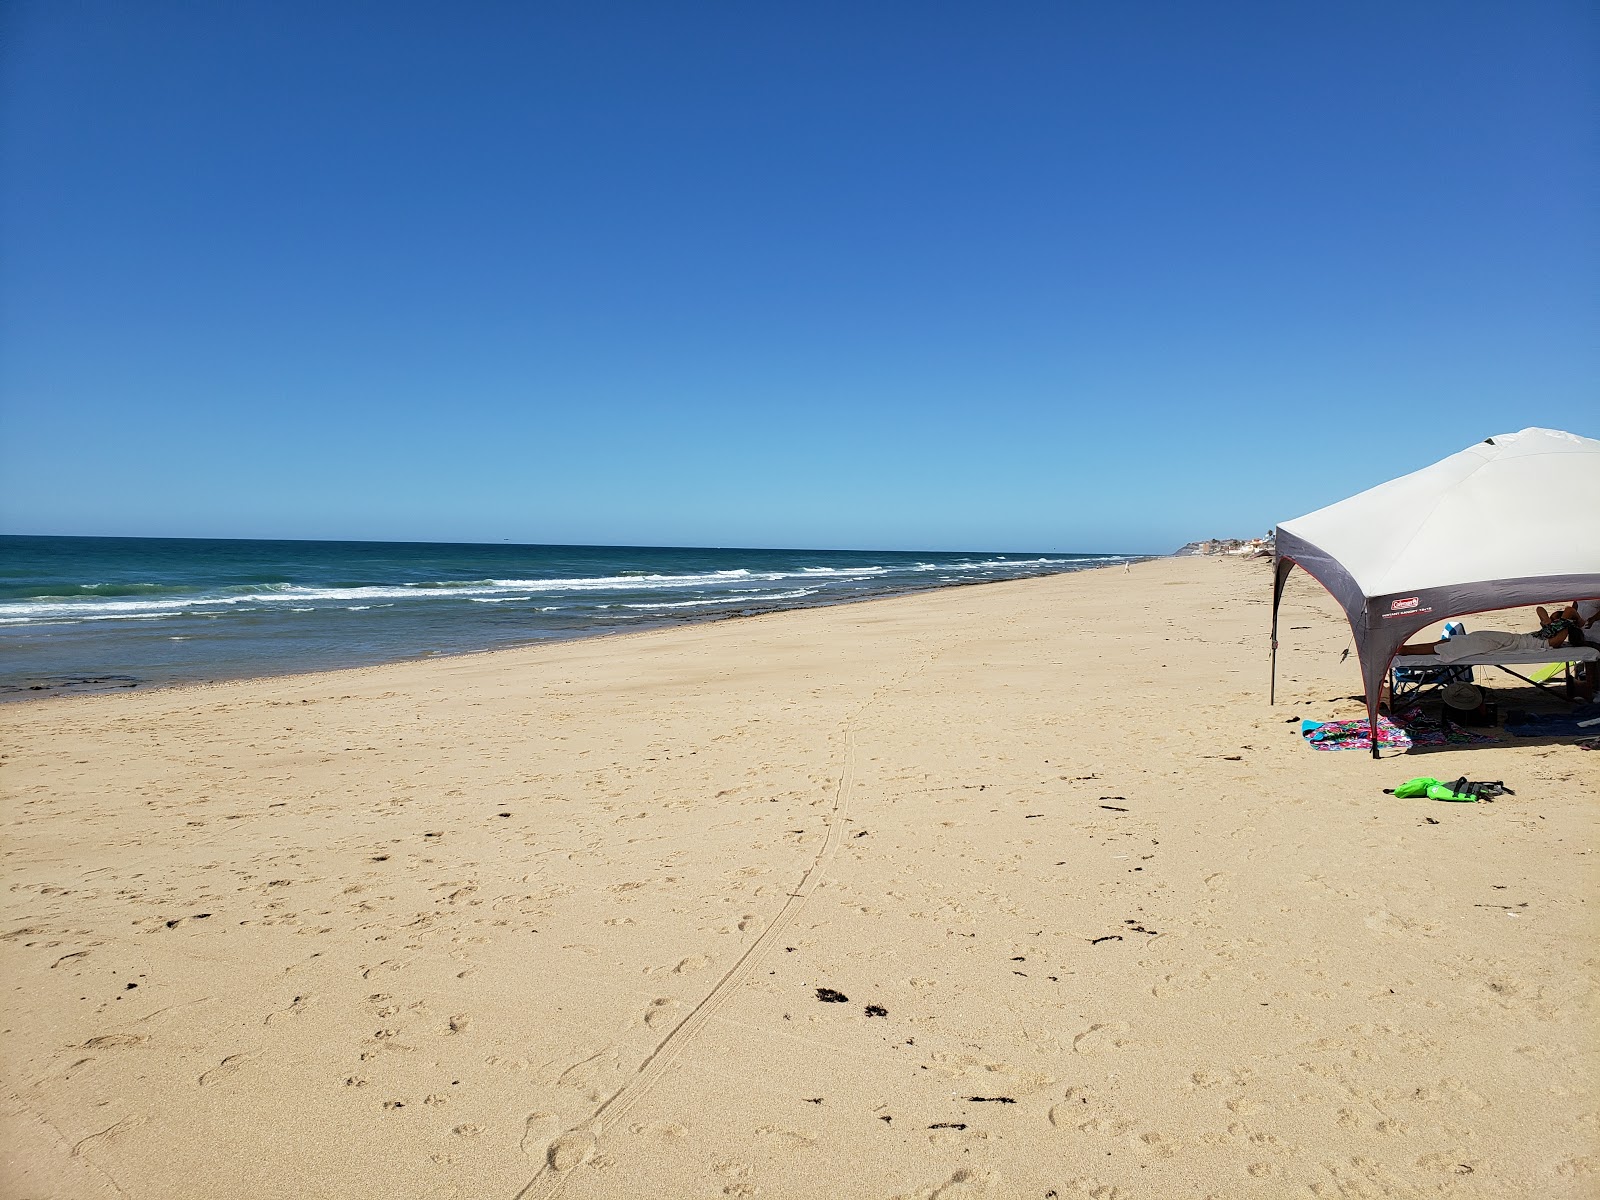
x: 998, y: 891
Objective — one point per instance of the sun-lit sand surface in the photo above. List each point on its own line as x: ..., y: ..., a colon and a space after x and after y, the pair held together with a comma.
x: 1092, y: 919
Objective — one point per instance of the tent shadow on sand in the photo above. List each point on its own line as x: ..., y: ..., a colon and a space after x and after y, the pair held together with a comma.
x: 1510, y: 702
x: 1469, y: 534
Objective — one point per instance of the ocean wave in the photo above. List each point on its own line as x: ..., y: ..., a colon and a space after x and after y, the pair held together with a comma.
x: 119, y: 616
x: 998, y: 564
x: 90, y: 590
x: 627, y: 583
x: 290, y: 595
x: 795, y: 595
x: 184, y: 598
x: 156, y: 600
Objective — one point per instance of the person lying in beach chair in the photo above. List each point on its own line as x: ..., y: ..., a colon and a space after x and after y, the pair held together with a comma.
x: 1558, y: 631
x: 1561, y: 628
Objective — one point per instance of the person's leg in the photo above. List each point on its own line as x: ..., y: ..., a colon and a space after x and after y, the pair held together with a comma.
x: 1422, y: 648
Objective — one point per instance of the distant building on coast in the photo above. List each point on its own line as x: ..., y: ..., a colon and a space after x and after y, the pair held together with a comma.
x: 1243, y: 548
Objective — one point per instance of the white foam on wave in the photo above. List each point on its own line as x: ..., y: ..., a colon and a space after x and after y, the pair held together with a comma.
x: 133, y: 616
x: 102, y: 609
x: 997, y: 563
x: 795, y: 595
x: 19, y: 612
x: 301, y: 598
x: 628, y: 583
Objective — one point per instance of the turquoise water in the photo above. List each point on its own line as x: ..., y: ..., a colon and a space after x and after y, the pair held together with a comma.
x: 103, y: 613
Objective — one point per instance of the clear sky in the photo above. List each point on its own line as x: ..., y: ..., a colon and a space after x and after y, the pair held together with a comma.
x: 921, y: 275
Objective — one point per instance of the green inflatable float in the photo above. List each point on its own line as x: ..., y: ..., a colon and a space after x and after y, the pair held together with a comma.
x: 1460, y: 792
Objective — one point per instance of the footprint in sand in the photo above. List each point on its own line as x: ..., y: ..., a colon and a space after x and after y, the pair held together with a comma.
x: 1383, y: 921
x: 227, y: 1067
x: 662, y: 1011
x: 538, y: 1132
x: 695, y: 962
x: 789, y: 1139
x: 962, y: 1185
x: 1080, y: 1109
x: 571, y: 1150
x: 1111, y: 1034
x: 1182, y: 981
x: 106, y: 1136
x: 664, y: 1131
x: 1156, y: 1144
x: 295, y: 1009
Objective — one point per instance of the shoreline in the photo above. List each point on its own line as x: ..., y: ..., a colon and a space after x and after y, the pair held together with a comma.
x: 23, y: 696
x: 1035, y: 873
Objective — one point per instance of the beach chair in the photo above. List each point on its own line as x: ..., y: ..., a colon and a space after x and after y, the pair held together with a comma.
x: 1408, y: 684
x: 1560, y: 664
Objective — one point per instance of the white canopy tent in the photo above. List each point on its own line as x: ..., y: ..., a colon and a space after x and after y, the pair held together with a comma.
x: 1511, y: 521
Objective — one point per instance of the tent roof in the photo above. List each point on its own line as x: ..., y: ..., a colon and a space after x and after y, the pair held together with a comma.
x: 1516, y: 506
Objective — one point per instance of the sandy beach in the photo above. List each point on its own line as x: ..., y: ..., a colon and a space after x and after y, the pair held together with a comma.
x: 1020, y: 890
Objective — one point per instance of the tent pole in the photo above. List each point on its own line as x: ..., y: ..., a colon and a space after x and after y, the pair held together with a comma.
x: 1373, y: 693
x: 1279, y: 574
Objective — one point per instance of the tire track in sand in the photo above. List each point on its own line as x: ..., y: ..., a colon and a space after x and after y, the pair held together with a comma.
x: 577, y: 1145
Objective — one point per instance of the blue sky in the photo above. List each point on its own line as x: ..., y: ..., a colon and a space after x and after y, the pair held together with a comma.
x: 932, y: 275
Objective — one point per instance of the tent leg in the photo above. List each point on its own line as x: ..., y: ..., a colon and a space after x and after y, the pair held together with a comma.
x: 1280, y: 572
x: 1374, y: 698
x: 1372, y: 718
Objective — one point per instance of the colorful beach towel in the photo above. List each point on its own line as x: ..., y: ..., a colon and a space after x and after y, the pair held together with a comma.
x: 1424, y: 730
x: 1354, y: 735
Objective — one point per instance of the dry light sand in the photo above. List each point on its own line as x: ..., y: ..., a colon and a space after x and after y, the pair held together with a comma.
x: 554, y: 921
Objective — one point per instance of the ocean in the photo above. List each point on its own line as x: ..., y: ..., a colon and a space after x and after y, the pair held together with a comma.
x: 97, y: 614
